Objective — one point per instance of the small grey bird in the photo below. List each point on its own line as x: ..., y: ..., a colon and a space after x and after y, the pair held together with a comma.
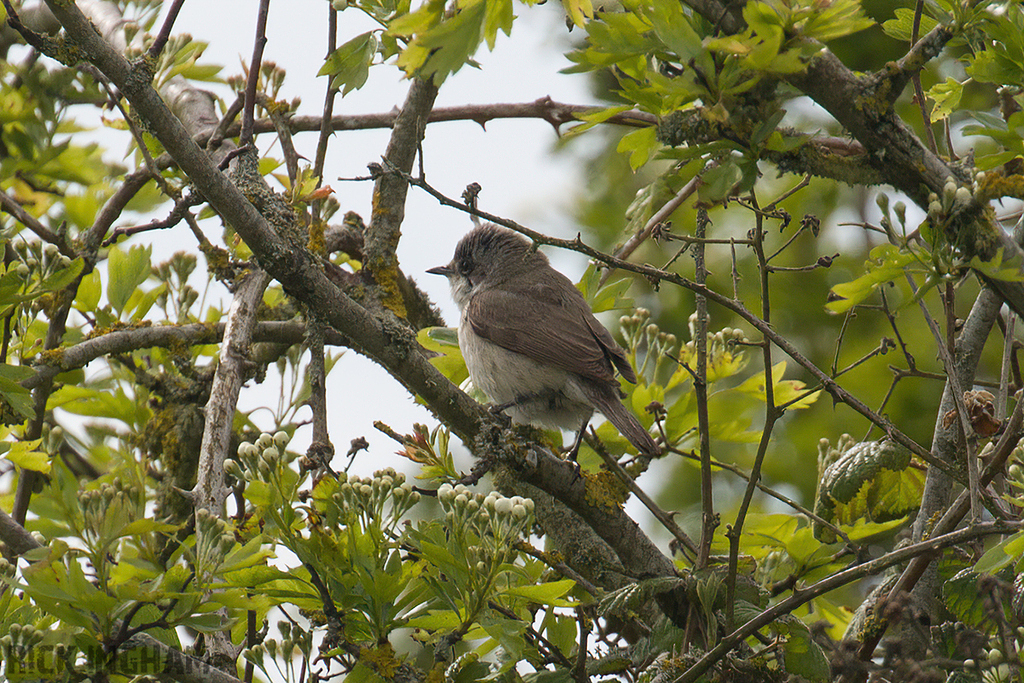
x: 531, y: 342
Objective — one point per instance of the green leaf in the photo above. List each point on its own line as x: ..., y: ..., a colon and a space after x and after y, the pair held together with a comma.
x: 870, y: 480
x: 420, y: 21
x: 803, y: 656
x: 64, y: 277
x: 204, y: 623
x: 24, y: 455
x: 126, y: 272
x: 445, y: 48
x: 579, y: 11
x: 641, y: 144
x: 89, y: 291
x: 499, y: 17
x: 349, y: 65
x: 946, y: 96
x: 902, y: 27
x: 783, y: 391
x: 13, y: 394
x: 593, y: 118
x: 997, y: 557
x: 675, y: 30
x: 719, y: 182
x: 550, y: 593
x: 835, y: 19
x: 998, y: 270
x: 611, y: 296
x: 885, y: 264
x: 962, y: 595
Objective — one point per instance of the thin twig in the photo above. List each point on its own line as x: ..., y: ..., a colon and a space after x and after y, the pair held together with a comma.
x: 248, y: 112
x: 325, y: 127
x: 773, y: 493
x: 165, y: 30
x: 952, y: 517
x: 771, y: 415
x: 666, y: 519
x: 916, y: 80
x: 659, y: 217
x: 709, y: 521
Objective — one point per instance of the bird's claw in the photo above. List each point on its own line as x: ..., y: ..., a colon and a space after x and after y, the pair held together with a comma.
x: 498, y: 411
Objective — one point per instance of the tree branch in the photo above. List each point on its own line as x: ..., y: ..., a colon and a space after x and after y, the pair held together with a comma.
x: 210, y: 491
x: 389, y: 192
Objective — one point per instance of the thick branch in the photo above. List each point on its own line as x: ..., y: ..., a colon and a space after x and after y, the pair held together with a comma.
x: 210, y: 491
x: 389, y: 194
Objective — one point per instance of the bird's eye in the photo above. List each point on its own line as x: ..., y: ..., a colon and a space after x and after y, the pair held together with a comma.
x: 465, y: 265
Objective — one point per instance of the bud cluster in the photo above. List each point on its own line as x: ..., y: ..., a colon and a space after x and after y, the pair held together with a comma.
x: 1014, y: 473
x: 901, y: 214
x: 293, y: 638
x: 725, y: 356
x: 827, y: 455
x: 487, y: 526
x: 369, y: 497
x: 954, y: 198
x: 261, y: 460
x: 214, y: 540
x: 108, y: 508
x: 639, y: 333
x: 20, y: 640
x: 36, y: 258
x: 7, y: 568
x: 994, y: 662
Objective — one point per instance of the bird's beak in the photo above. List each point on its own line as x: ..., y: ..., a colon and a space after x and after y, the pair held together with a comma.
x: 442, y: 270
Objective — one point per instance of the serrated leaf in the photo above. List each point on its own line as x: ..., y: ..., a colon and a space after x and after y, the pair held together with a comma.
x: 804, y: 657
x: 349, y: 65
x: 836, y: 19
x: 578, y: 11
x: 946, y: 96
x: 902, y: 27
x: 886, y: 263
x: 962, y: 596
x: 641, y: 144
x: 498, y: 18
x: 870, y: 480
x: 24, y: 455
x: 12, y: 393
x: 447, y: 47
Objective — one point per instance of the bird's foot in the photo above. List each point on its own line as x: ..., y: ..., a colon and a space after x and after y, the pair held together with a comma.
x: 498, y: 411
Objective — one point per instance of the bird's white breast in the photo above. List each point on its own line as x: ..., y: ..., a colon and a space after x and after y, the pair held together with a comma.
x: 506, y: 376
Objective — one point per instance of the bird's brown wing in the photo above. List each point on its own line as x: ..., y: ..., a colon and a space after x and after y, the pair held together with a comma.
x: 551, y: 325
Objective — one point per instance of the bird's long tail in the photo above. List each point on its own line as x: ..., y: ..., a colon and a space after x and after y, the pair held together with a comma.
x: 611, y: 407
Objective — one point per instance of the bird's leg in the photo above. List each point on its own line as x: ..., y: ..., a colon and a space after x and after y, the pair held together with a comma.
x: 578, y: 441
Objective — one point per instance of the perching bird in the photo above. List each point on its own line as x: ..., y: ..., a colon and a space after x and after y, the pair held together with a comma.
x: 530, y: 341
